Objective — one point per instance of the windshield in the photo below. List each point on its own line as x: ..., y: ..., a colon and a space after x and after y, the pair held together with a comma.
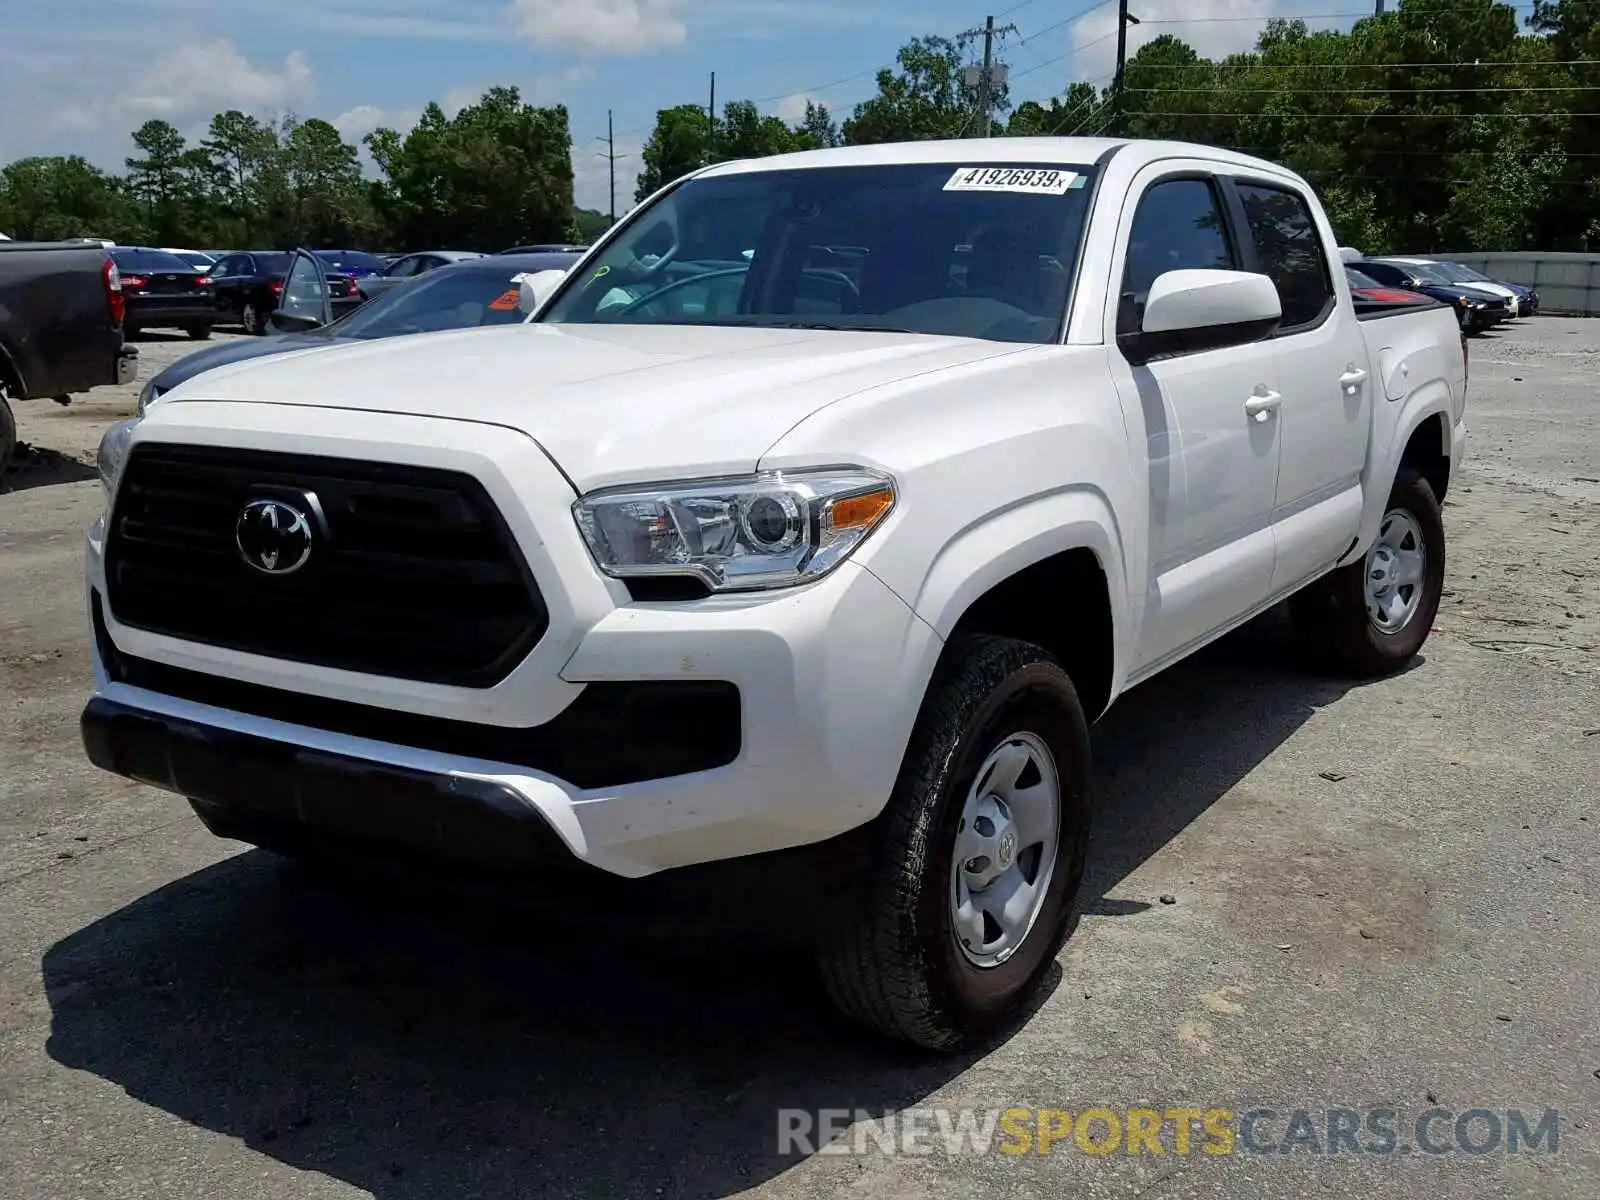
x: 350, y: 260
x: 275, y: 263
x: 1427, y: 272
x: 967, y: 251
x: 455, y: 297
x: 1456, y: 273
x: 150, y: 260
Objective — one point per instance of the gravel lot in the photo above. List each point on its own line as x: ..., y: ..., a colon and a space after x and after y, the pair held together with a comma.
x: 1382, y: 896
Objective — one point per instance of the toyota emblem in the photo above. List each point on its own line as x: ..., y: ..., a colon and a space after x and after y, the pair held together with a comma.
x: 273, y: 537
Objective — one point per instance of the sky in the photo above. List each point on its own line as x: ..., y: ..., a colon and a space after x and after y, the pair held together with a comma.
x: 78, y: 77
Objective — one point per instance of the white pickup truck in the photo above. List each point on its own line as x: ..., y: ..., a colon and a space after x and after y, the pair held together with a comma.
x: 789, y: 548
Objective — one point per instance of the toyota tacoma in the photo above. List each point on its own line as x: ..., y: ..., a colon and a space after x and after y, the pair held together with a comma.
x: 793, y: 542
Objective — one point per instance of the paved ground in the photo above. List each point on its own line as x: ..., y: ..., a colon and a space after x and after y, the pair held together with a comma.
x: 1384, y: 896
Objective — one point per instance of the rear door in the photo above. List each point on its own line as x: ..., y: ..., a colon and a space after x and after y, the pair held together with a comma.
x: 1325, y: 419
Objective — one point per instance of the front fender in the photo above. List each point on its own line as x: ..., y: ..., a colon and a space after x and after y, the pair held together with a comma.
x: 1000, y: 544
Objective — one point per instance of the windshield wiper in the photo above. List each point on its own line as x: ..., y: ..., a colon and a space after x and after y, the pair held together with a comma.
x: 842, y: 328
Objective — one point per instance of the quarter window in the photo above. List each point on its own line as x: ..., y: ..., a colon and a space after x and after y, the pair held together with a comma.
x: 1288, y: 251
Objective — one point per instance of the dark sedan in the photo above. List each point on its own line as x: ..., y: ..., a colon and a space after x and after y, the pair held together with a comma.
x: 249, y: 283
x: 1475, y: 310
x: 162, y: 291
x: 357, y: 264
x: 479, y: 292
x: 547, y: 248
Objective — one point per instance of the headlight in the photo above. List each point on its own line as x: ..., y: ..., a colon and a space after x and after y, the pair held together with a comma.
x: 113, y: 453
x: 148, y: 393
x: 764, y: 531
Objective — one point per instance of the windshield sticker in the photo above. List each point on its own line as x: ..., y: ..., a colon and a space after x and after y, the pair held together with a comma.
x: 506, y: 300
x: 1034, y: 181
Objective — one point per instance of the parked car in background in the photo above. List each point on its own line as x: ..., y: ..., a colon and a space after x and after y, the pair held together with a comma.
x: 548, y: 248
x: 357, y: 264
x: 195, y: 258
x: 249, y: 283
x: 1368, y: 291
x: 1455, y: 273
x: 162, y: 291
x: 1527, y: 299
x: 60, y: 326
x: 1475, y: 309
x: 459, y: 296
x: 409, y: 267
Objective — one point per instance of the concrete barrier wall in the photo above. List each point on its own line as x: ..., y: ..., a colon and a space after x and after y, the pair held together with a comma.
x: 1566, y: 283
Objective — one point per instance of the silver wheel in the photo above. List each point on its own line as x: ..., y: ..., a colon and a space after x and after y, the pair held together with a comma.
x: 1005, y: 850
x: 1396, y: 567
x: 250, y: 319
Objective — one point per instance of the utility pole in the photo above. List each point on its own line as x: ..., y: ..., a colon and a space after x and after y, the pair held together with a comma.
x: 1124, y: 19
x: 711, y: 123
x: 985, y: 77
x: 1378, y: 12
x: 611, y: 155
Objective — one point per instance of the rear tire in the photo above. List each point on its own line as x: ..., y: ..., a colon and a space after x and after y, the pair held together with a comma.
x: 250, y: 318
x: 198, y: 333
x: 8, y: 434
x: 1363, y: 619
x: 907, y: 966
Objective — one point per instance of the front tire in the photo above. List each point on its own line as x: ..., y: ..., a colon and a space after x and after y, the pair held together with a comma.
x: 1371, y: 617
x: 976, y: 864
x: 198, y: 333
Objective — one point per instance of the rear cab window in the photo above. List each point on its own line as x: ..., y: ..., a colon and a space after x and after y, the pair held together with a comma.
x: 1288, y: 251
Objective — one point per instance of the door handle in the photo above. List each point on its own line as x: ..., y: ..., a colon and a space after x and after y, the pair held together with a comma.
x: 1263, y: 404
x: 1353, y: 378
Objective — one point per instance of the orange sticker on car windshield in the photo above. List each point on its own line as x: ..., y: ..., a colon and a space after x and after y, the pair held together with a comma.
x: 505, y: 301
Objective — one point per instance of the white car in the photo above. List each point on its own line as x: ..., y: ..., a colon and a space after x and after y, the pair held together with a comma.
x: 791, y: 585
x: 1453, y: 273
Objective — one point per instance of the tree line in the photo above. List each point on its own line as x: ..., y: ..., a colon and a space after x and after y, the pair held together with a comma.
x: 1439, y: 125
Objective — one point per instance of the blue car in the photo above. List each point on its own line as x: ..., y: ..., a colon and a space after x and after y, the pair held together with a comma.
x: 477, y: 292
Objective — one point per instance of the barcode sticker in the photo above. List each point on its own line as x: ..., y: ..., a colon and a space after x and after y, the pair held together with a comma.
x: 1036, y: 181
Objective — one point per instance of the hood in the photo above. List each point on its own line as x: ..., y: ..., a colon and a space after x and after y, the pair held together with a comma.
x: 609, y: 403
x: 222, y: 353
x: 1455, y: 291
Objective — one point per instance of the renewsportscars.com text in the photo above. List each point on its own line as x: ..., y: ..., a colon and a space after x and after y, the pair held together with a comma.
x: 1178, y: 1130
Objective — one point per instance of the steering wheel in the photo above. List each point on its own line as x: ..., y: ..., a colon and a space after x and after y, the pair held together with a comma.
x: 661, y: 293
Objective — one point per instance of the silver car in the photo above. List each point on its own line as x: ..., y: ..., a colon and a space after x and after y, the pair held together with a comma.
x: 410, y: 267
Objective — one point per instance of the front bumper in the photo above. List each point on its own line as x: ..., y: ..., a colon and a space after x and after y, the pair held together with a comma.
x: 830, y: 678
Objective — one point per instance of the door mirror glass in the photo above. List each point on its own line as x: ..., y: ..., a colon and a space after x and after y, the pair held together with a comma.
x: 534, y: 289
x: 305, y: 294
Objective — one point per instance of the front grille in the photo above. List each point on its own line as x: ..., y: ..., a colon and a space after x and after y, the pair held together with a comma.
x: 613, y: 734
x: 413, y: 573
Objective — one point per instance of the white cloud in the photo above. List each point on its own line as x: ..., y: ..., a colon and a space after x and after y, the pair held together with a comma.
x: 1193, y: 21
x: 792, y: 108
x: 204, y: 76
x: 618, y: 28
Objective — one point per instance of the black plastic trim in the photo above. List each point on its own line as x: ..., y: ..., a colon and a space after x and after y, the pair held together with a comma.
x: 237, y: 781
x: 612, y: 735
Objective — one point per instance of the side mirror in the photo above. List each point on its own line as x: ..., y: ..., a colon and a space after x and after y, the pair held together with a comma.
x: 1192, y: 310
x: 533, y: 290
x: 292, y: 322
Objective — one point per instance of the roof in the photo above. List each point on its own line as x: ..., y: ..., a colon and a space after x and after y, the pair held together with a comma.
x: 1066, y: 151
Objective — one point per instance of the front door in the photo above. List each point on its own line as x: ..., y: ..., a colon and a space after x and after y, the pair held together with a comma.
x: 1209, y: 422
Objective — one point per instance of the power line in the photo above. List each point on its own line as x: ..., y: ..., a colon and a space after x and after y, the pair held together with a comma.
x: 1050, y: 62
x: 1413, y: 115
x: 1353, y: 66
x: 1366, y: 91
x: 1077, y: 16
